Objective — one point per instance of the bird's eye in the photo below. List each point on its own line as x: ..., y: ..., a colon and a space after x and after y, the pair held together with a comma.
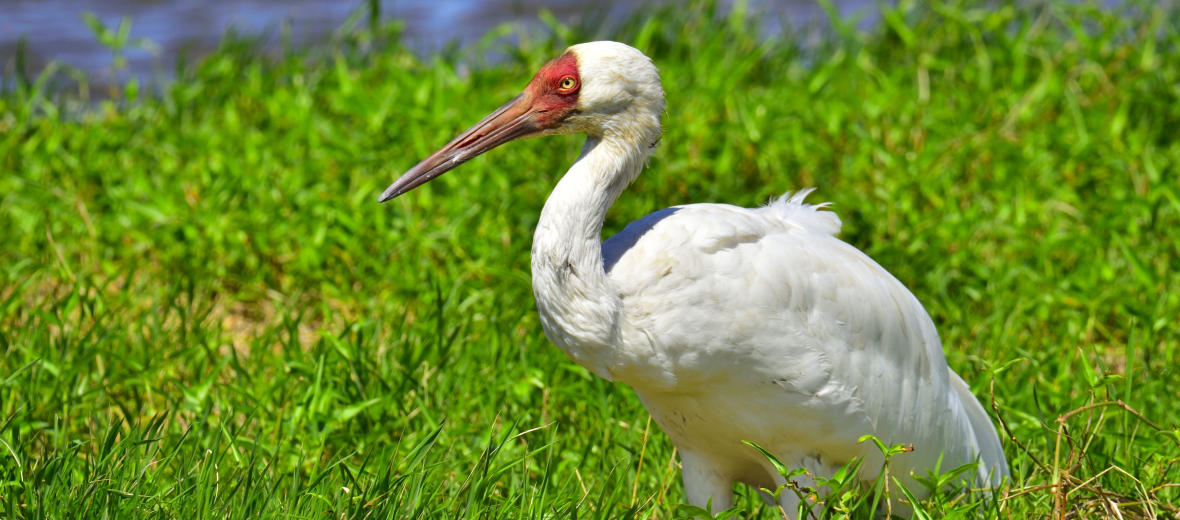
x: 568, y: 83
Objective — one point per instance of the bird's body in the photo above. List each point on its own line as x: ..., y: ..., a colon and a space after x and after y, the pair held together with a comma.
x: 759, y: 325
x: 731, y: 324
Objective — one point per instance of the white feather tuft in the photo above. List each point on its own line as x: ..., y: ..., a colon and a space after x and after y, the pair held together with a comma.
x: 790, y: 209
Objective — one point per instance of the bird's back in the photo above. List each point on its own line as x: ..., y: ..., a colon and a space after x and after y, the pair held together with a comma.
x: 760, y: 325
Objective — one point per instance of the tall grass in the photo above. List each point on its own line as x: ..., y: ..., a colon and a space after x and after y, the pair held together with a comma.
x: 204, y: 313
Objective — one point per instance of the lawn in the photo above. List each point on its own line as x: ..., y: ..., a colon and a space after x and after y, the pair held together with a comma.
x: 204, y: 313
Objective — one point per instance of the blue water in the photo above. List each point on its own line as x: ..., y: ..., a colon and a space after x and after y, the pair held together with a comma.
x: 55, y: 30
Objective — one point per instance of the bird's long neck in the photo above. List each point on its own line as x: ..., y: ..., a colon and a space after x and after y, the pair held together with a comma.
x: 580, y: 307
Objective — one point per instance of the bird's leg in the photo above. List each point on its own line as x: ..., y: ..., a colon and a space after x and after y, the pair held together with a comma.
x: 703, y: 481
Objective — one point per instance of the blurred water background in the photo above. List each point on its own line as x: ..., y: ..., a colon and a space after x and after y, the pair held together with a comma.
x: 35, y: 32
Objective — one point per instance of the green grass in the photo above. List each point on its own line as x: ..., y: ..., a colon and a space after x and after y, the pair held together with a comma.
x: 205, y: 314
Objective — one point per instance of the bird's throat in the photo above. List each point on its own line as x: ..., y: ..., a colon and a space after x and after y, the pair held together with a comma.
x: 580, y: 307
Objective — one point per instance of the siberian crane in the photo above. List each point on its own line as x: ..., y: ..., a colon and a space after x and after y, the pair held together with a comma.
x: 732, y: 324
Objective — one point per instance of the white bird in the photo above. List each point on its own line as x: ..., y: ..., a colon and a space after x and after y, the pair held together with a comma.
x: 731, y: 324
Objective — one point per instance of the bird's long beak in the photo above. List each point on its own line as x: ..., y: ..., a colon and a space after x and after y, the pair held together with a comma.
x: 514, y: 120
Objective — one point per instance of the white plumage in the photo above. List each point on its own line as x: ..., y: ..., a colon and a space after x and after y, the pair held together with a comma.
x: 771, y: 330
x: 734, y: 324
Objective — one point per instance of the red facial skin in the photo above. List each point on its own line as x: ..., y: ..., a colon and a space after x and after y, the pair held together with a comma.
x: 548, y: 100
x: 551, y: 103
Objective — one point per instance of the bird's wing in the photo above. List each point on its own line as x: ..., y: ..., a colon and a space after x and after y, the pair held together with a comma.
x: 706, y: 276
x: 769, y: 300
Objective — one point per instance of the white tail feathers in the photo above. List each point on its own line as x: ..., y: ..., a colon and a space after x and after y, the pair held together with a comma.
x: 791, y: 210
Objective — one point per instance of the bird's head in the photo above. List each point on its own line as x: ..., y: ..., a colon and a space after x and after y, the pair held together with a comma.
x: 599, y: 89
